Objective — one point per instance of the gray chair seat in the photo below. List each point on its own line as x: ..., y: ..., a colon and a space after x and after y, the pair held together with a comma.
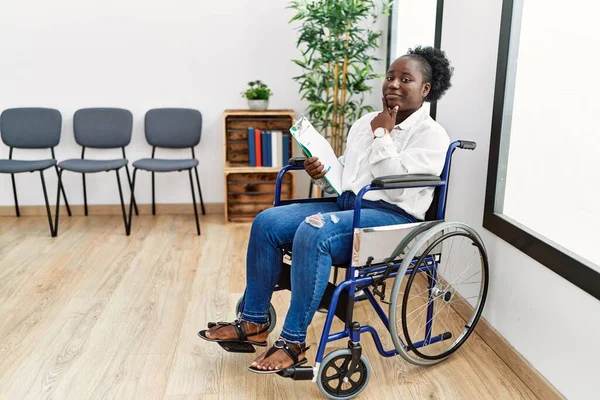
x: 165, y: 165
x: 17, y: 166
x: 90, y: 166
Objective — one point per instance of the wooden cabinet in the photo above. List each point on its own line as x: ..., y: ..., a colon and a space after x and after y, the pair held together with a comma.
x: 250, y: 190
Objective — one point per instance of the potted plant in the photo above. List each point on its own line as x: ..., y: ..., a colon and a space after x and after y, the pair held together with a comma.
x: 258, y: 95
x: 337, y: 41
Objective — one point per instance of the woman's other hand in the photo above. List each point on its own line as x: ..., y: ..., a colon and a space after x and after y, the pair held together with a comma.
x: 385, y: 119
x: 314, y: 167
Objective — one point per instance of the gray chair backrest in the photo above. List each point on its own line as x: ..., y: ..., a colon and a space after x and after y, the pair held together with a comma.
x: 103, y: 128
x: 30, y: 128
x: 174, y: 128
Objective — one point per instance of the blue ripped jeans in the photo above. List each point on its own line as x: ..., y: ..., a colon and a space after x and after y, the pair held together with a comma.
x: 314, y: 250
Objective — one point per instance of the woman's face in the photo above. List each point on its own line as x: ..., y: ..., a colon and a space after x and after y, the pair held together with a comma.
x: 404, y: 86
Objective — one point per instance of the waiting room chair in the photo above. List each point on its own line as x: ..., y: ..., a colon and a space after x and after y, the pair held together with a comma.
x: 31, y: 128
x: 174, y: 128
x: 101, y: 128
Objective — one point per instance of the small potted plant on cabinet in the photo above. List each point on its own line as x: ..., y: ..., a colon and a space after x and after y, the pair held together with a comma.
x: 258, y: 95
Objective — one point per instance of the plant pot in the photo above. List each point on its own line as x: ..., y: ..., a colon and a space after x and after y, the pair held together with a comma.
x: 258, y: 105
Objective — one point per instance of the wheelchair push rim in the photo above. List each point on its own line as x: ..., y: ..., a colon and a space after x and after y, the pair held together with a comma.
x: 453, y: 274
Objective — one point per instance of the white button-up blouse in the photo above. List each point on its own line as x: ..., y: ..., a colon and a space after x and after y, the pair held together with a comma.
x: 417, y: 145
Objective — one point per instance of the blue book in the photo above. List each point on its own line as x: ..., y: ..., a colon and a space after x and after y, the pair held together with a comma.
x: 285, y: 149
x: 265, y: 149
x: 269, y: 149
x: 251, y: 147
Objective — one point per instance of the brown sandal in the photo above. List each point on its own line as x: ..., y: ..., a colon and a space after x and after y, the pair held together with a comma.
x: 242, y: 336
x: 290, y: 351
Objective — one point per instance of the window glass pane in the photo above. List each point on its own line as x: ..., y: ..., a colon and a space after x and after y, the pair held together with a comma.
x: 413, y: 24
x: 551, y: 134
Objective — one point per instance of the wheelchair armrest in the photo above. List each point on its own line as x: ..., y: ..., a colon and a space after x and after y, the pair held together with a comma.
x: 405, y: 181
x: 297, y: 161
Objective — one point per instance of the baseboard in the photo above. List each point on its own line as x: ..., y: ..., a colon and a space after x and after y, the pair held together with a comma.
x: 115, y: 209
x: 515, y: 361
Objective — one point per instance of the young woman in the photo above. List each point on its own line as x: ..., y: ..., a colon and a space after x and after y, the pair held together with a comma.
x: 401, y: 139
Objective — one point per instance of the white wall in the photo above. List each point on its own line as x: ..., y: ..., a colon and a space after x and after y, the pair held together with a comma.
x: 552, y: 323
x: 140, y: 54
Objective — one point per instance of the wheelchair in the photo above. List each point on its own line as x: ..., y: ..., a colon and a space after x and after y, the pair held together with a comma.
x: 440, y: 280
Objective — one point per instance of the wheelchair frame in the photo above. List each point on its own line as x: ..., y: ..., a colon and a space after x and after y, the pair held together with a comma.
x: 360, y: 277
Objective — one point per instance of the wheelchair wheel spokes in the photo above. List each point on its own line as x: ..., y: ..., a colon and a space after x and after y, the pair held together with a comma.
x: 452, y: 275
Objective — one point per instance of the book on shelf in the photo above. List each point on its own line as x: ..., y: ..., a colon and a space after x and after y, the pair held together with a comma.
x: 266, y: 151
x: 285, y: 148
x: 258, y: 147
x: 251, y: 147
x: 275, y: 148
x: 268, y: 148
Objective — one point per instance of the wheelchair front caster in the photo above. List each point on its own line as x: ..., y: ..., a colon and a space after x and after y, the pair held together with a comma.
x: 335, y: 381
x: 272, y: 314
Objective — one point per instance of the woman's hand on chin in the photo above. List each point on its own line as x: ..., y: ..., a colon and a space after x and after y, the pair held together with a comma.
x: 385, y: 119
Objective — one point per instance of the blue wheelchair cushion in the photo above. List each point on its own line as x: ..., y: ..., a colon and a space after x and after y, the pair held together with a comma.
x: 165, y: 165
x: 90, y: 166
x: 17, y: 166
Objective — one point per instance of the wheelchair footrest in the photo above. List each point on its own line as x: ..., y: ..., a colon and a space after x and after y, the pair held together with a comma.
x: 298, y: 373
x: 236, y: 347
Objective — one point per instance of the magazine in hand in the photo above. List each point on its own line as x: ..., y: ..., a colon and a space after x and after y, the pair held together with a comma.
x: 315, y: 145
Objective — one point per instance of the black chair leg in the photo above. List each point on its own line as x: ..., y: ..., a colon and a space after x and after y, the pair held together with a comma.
x: 64, y: 194
x: 52, y: 233
x: 133, y: 199
x: 194, y: 202
x: 200, y: 191
x: 131, y: 202
x: 153, y: 203
x: 57, y: 210
x: 122, y: 203
x: 84, y: 196
x: 14, y: 184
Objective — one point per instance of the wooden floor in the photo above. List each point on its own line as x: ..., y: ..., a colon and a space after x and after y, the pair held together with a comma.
x: 95, y: 314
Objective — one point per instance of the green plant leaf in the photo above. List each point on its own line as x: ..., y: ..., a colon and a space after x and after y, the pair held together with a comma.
x: 329, y: 32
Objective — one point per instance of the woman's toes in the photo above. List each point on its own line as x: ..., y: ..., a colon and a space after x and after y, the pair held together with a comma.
x: 258, y: 360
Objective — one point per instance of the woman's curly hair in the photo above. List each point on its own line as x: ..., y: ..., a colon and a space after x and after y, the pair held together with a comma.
x: 436, y: 70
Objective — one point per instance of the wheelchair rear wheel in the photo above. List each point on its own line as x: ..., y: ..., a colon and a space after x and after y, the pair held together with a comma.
x: 439, y: 293
x: 334, y: 379
x: 272, y: 313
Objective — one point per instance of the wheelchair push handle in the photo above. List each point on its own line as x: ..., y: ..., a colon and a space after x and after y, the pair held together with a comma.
x: 467, y: 145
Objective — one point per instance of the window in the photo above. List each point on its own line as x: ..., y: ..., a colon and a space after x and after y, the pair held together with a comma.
x: 414, y: 23
x: 543, y: 176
